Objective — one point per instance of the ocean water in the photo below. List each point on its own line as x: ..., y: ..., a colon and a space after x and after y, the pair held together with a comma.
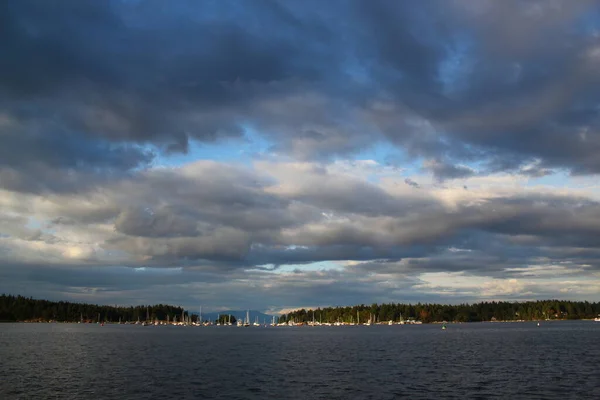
x: 558, y: 360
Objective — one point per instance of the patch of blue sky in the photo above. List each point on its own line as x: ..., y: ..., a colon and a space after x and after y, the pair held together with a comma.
x: 588, y: 23
x: 456, y: 65
x: 559, y: 179
x: 240, y: 150
x: 358, y: 72
x: 256, y: 144
x: 34, y: 224
x: 389, y: 158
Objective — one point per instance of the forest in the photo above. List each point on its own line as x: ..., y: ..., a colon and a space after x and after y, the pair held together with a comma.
x: 19, y: 308
x: 427, y: 313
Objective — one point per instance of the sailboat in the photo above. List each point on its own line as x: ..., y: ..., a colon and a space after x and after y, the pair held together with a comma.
x: 247, y: 321
x: 256, y: 323
x: 145, y: 323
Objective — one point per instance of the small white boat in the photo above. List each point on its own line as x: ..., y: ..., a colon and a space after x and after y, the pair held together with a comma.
x: 597, y: 319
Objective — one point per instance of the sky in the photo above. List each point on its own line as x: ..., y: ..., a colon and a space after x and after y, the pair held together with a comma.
x: 273, y: 155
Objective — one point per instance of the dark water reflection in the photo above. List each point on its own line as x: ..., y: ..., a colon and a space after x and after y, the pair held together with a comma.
x: 559, y: 360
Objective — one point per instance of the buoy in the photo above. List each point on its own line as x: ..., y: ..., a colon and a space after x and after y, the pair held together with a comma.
x: 538, y: 324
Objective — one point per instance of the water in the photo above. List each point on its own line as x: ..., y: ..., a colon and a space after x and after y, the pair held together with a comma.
x: 558, y: 360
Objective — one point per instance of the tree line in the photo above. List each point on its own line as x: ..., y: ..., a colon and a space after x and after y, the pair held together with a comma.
x: 20, y: 308
x: 427, y: 313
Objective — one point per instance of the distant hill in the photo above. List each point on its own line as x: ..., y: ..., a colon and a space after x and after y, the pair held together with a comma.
x: 238, y: 314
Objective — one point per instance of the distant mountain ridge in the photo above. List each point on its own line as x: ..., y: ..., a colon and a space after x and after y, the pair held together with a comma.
x: 238, y: 314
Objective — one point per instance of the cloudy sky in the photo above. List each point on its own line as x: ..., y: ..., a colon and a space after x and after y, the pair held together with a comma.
x: 272, y: 155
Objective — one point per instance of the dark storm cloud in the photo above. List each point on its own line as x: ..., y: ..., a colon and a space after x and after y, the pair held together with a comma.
x: 47, y: 162
x: 82, y: 82
x: 140, y: 71
x: 441, y: 79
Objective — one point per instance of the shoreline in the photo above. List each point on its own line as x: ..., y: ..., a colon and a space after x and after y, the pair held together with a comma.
x: 164, y: 323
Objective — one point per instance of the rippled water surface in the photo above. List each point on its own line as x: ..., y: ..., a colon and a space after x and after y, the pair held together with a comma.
x: 558, y: 360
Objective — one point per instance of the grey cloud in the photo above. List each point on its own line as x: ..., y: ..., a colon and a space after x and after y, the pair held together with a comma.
x: 353, y: 197
x: 150, y: 223
x: 210, y: 212
x: 442, y: 170
x: 221, y: 244
x: 488, y: 228
x: 16, y: 226
x: 535, y: 171
x: 412, y: 183
x: 282, y: 255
